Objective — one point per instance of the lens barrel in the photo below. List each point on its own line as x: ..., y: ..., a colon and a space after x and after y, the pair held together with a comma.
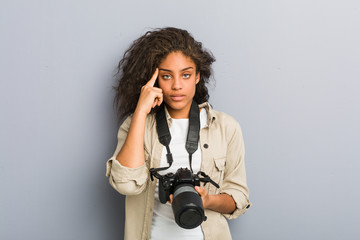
x: 187, y: 206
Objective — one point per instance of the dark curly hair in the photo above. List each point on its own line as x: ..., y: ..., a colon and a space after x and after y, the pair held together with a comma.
x: 146, y: 53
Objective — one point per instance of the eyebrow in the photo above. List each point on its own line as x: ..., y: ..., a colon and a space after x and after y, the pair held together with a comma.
x: 167, y: 70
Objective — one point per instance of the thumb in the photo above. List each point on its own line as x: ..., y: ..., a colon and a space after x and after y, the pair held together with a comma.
x: 171, y: 198
x: 199, y: 190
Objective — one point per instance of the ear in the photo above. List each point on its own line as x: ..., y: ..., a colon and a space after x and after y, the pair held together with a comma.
x: 197, y: 78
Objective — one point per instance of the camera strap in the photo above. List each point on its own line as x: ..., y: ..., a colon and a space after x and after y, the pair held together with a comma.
x: 164, y: 135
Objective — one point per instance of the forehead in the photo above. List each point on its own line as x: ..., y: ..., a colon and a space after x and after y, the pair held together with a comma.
x: 176, y: 60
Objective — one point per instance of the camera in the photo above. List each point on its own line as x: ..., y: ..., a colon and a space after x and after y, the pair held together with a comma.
x: 186, y: 204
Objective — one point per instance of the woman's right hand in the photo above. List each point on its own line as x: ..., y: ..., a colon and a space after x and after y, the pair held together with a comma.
x: 150, y: 96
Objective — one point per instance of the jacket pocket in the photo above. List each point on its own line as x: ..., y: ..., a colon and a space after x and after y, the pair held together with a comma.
x: 217, y: 174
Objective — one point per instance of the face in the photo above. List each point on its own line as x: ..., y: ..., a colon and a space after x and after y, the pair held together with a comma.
x: 178, y: 79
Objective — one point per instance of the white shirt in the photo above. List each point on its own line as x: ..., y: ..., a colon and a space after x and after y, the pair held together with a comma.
x: 163, y: 222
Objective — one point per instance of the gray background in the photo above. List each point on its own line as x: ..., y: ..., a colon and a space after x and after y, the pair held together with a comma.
x: 288, y: 71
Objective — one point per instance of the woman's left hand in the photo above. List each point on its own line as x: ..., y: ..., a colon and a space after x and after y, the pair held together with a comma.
x: 222, y: 203
x: 204, y: 195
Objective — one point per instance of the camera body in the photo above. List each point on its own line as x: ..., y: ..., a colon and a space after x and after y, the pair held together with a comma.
x: 170, y: 181
x: 187, y: 204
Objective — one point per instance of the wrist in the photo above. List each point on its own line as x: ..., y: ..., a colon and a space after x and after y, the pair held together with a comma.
x: 207, y: 201
x: 139, y: 112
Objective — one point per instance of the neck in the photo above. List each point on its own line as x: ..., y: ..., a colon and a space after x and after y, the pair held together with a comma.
x: 178, y: 114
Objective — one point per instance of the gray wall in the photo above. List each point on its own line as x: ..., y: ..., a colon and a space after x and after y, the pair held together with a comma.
x: 288, y: 71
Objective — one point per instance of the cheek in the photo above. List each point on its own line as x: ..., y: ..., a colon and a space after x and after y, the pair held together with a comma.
x: 191, y: 87
x: 162, y: 85
x: 166, y: 90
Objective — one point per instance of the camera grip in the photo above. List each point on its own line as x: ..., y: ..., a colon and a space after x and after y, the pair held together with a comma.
x: 164, y: 193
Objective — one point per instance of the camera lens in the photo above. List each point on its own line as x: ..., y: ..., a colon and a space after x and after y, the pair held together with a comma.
x: 187, y: 206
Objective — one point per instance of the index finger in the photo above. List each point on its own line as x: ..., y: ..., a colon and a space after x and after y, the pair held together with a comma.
x: 152, y: 80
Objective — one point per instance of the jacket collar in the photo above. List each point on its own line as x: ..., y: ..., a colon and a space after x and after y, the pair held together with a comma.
x: 210, y: 112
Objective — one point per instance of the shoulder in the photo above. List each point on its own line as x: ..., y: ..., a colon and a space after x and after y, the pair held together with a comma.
x: 219, y: 118
x: 225, y: 119
x: 229, y: 124
x: 223, y: 123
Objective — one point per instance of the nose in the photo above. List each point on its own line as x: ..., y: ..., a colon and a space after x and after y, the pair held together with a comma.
x: 177, y: 83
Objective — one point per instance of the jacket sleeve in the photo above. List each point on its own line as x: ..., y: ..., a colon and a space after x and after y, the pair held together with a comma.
x: 234, y: 182
x: 127, y: 181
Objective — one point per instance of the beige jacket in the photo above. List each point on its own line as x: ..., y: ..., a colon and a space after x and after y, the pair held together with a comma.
x: 222, y: 149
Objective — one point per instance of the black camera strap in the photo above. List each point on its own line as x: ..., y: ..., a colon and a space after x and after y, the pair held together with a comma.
x: 164, y: 135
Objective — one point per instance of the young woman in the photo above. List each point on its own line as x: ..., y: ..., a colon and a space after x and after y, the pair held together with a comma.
x: 168, y: 67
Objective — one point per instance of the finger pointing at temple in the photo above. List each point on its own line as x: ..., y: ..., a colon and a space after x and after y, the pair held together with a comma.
x: 152, y: 80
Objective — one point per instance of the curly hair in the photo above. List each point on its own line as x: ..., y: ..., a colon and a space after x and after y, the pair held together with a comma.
x: 146, y: 53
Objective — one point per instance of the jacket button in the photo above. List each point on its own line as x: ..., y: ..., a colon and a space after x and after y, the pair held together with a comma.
x: 206, y: 146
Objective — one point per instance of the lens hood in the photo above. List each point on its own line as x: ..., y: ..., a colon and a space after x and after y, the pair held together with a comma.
x: 187, y: 207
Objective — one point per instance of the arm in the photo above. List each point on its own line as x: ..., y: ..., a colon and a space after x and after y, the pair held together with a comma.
x: 234, y: 183
x: 125, y: 180
x: 132, y: 154
x: 222, y: 203
x: 126, y: 169
x: 233, y: 198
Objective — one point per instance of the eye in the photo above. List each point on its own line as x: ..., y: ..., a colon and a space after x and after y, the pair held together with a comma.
x: 187, y: 75
x: 166, y: 76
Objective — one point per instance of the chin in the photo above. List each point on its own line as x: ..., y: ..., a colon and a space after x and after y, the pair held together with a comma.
x: 176, y: 105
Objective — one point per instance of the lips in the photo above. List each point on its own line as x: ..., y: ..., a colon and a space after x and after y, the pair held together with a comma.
x: 177, y: 97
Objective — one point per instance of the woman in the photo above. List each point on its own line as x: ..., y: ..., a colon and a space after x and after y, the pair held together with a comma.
x: 167, y: 66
